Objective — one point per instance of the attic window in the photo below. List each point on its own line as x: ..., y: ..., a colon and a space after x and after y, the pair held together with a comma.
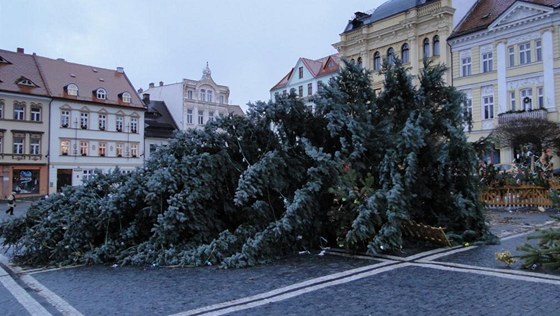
x: 101, y: 79
x: 101, y: 94
x: 4, y: 61
x: 126, y: 97
x: 25, y: 82
x: 93, y: 69
x: 485, y: 16
x: 73, y: 75
x: 72, y: 89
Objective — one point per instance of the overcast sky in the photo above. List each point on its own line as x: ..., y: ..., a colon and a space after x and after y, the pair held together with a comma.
x: 249, y: 44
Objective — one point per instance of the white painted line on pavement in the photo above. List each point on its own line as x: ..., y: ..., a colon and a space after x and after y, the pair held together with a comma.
x: 61, y: 305
x: 43, y: 270
x: 447, y: 253
x: 489, y: 273
x: 320, y: 282
x: 429, y: 252
x: 502, y: 271
x: 28, y: 302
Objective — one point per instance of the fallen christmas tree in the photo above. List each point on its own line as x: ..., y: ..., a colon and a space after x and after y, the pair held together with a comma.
x: 249, y: 189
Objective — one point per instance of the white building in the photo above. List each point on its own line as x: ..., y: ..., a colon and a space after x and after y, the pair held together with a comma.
x: 193, y: 103
x: 306, y: 77
x: 96, y: 121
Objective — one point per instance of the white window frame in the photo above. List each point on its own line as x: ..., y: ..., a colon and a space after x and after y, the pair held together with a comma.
x: 487, y: 107
x: 134, y: 150
x: 512, y: 100
x: 119, y: 123
x: 126, y: 97
x: 72, y: 89
x: 35, y: 146
x: 102, y: 122
x: 102, y: 149
x: 209, y: 95
x: 84, y: 120
x: 19, y: 111
x: 19, y: 146
x: 538, y: 50
x: 200, y: 117
x: 487, y: 62
x: 523, y: 93
x: 511, y: 54
x: 64, y: 118
x: 189, y: 116
x: 84, y: 148
x: 203, y: 95
x: 525, y: 53
x: 119, y: 149
x: 36, y: 113
x: 189, y: 94
x: 133, y: 125
x: 540, y: 97
x: 64, y: 147
x: 466, y: 66
x: 101, y: 94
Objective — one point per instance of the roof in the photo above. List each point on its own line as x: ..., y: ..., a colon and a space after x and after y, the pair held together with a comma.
x: 58, y: 74
x: 318, y: 68
x: 484, y: 12
x: 385, y: 10
x: 158, y: 121
x: 15, y: 66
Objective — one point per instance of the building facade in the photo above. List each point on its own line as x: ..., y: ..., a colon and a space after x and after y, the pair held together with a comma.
x: 159, y: 125
x: 193, y: 103
x: 24, y: 130
x: 411, y: 30
x: 506, y: 60
x: 306, y: 77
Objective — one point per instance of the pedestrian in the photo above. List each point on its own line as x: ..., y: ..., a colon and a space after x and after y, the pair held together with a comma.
x: 11, y: 203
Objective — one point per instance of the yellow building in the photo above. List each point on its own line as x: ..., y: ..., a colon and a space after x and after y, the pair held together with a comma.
x: 408, y: 30
x: 506, y: 59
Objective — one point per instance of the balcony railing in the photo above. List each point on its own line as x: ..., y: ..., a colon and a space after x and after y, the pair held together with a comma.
x: 512, y: 116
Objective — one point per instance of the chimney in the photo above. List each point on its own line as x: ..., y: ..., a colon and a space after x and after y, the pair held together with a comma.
x: 146, y: 98
x: 152, y: 85
x: 161, y: 83
x: 20, y: 50
x: 120, y: 70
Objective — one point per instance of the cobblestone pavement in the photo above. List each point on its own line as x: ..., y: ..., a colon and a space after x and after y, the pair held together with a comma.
x: 447, y: 281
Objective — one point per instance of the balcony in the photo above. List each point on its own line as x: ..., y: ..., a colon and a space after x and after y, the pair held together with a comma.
x: 507, y: 117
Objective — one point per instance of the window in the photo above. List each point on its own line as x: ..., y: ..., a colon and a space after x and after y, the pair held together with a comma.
x: 391, y: 56
x: 1, y: 108
x: 35, y: 145
x: 134, y: 150
x: 1, y: 143
x: 64, y: 147
x: 511, y: 52
x: 210, y: 116
x: 101, y: 94
x: 487, y: 62
x: 468, y: 108
x: 209, y: 95
x: 538, y: 46
x: 84, y: 118
x: 153, y: 148
x: 189, y: 95
x: 377, y: 61
x: 319, y: 85
x: 200, y: 117
x: 83, y: 148
x: 189, y: 116
x: 64, y: 118
x: 540, y: 95
x: 222, y: 99
x: 119, y: 149
x: 526, y: 96
x: 488, y: 107
x: 203, y: 95
x: 405, y: 53
x: 300, y: 72
x: 360, y: 61
x: 133, y: 125
x: 19, y: 111
x: 87, y: 174
x: 18, y: 144
x: 426, y: 48
x: 309, y: 89
x: 524, y: 53
x: 512, y: 100
x: 72, y: 89
x: 436, y: 49
x: 119, y: 123
x: 300, y: 91
x: 126, y: 97
x: 102, y: 122
x: 102, y: 149
x: 35, y: 113
x: 466, y: 66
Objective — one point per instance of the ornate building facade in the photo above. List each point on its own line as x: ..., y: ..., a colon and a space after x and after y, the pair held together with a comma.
x: 193, y: 103
x: 409, y: 30
x: 506, y: 60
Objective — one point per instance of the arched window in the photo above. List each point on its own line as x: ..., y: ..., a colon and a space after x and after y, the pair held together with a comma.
x: 126, y: 97
x: 101, y: 94
x: 360, y: 61
x: 391, y: 55
x: 377, y: 61
x: 426, y: 48
x: 405, y: 53
x: 436, y: 46
x: 72, y: 89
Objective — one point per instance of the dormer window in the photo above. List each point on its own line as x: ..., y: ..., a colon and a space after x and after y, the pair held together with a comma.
x: 126, y: 97
x: 25, y: 82
x: 4, y: 61
x: 101, y: 94
x: 72, y: 89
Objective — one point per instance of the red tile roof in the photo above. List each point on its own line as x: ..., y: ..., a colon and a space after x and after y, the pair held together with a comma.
x: 485, y: 12
x: 318, y: 68
x: 59, y: 73
x: 14, y: 66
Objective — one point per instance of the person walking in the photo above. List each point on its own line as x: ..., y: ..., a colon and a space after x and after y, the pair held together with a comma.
x: 11, y: 203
